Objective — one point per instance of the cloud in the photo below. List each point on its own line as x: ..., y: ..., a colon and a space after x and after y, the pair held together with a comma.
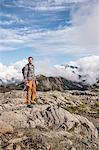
x: 6, y: 48
x: 82, y: 38
x: 45, y: 5
x: 86, y: 21
x: 86, y: 68
x: 79, y: 39
x: 9, y: 19
x: 10, y: 40
x: 12, y: 73
x: 89, y: 67
x: 41, y: 5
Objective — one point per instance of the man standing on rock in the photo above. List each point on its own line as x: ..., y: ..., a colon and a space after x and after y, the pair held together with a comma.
x: 30, y: 82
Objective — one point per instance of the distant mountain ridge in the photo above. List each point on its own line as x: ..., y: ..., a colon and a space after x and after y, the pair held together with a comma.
x: 46, y: 84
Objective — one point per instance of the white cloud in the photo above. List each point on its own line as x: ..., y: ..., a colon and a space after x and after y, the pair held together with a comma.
x: 82, y: 38
x: 10, y: 40
x: 11, y: 18
x: 86, y: 21
x: 87, y: 68
x: 47, y: 3
x: 68, y: 1
x: 6, y: 48
x: 12, y: 73
x: 43, y: 4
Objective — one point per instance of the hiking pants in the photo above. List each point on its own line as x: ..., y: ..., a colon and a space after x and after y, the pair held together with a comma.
x: 31, y: 92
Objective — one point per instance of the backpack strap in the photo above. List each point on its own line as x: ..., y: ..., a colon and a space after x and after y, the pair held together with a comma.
x: 28, y: 68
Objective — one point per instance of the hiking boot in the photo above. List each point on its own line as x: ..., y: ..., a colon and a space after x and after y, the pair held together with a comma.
x: 29, y: 106
x: 25, y: 102
x: 36, y: 98
x: 33, y: 102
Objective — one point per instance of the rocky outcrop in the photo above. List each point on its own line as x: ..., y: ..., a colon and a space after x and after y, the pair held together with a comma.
x: 50, y: 125
x: 95, y: 87
x: 57, y: 83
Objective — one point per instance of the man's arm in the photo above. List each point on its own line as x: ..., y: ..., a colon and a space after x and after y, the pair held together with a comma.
x: 34, y: 76
x: 34, y: 73
x: 25, y: 73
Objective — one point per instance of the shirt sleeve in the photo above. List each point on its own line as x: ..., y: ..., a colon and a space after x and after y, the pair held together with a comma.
x: 25, y: 72
x: 34, y: 72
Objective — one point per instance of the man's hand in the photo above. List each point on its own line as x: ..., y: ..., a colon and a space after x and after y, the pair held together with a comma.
x: 26, y: 82
x: 36, y: 82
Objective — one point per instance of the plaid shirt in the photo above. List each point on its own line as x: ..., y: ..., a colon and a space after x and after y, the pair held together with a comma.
x: 29, y: 72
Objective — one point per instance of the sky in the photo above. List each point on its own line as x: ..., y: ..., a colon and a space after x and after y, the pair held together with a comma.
x: 53, y: 32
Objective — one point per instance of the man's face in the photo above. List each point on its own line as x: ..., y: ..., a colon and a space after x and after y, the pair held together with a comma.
x: 30, y: 60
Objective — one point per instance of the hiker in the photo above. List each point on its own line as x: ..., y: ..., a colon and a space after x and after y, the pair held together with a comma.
x: 30, y: 82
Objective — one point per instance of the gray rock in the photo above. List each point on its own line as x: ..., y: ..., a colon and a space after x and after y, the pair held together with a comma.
x: 48, y: 123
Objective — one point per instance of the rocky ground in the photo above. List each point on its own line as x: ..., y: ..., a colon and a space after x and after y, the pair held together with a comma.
x: 66, y: 120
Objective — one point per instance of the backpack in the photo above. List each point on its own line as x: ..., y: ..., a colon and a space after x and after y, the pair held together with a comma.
x: 23, y: 70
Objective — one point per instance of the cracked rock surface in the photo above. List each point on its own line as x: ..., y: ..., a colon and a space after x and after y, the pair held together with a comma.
x: 58, y: 121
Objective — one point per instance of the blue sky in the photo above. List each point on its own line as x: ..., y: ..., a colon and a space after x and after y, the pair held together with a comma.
x: 57, y: 30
